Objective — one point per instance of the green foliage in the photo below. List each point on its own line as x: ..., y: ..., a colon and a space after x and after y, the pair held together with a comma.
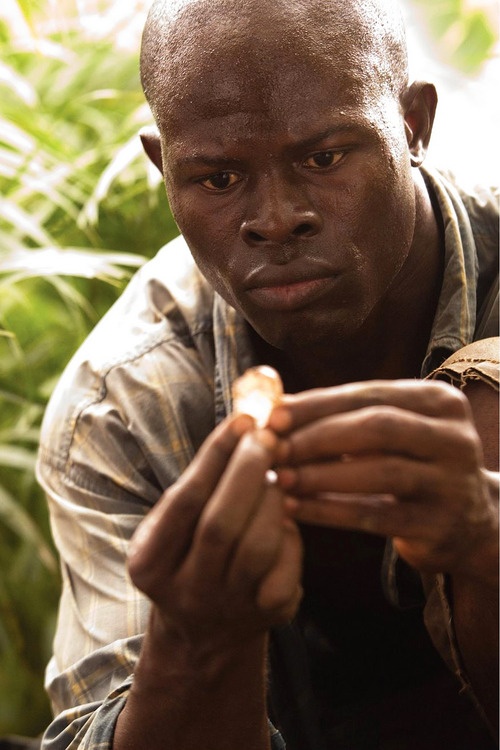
x: 78, y: 211
x: 465, y: 36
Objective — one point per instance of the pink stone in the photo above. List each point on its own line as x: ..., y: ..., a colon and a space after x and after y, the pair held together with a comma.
x: 257, y: 392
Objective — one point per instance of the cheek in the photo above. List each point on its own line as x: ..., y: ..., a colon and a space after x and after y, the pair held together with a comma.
x: 388, y: 205
x: 206, y: 236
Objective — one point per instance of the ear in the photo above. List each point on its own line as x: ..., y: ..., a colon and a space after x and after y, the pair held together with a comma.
x: 151, y: 144
x: 419, y: 104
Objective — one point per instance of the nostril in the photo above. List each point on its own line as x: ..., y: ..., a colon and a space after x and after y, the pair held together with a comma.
x: 303, y: 230
x: 255, y: 237
x: 259, y: 232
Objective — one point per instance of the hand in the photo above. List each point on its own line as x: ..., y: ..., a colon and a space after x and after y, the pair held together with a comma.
x: 217, y: 555
x: 401, y: 459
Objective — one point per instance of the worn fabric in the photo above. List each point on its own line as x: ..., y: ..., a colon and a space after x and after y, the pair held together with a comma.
x: 131, y: 410
x: 477, y: 361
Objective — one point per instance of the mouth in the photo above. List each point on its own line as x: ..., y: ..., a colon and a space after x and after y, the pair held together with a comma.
x: 292, y: 295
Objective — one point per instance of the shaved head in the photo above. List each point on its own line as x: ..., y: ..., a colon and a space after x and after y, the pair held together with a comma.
x: 368, y: 37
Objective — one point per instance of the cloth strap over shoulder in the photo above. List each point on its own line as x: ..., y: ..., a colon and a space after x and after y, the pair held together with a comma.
x: 477, y: 361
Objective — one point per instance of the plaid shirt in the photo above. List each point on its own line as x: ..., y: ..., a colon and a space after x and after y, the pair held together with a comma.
x: 128, y: 415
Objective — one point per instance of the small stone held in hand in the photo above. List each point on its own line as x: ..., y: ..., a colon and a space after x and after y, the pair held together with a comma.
x: 257, y: 392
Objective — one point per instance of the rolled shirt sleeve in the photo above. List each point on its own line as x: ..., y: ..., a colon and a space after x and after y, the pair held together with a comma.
x: 125, y: 420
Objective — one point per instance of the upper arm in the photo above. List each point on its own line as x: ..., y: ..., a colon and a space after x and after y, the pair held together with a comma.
x: 475, y: 369
x: 484, y: 402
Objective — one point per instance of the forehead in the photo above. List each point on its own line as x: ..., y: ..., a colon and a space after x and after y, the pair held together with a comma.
x: 268, y: 79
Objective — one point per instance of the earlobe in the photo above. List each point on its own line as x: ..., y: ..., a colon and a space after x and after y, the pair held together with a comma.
x: 419, y: 103
x: 151, y: 144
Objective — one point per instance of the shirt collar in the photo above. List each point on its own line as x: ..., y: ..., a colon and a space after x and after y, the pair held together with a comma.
x: 455, y: 318
x: 234, y: 353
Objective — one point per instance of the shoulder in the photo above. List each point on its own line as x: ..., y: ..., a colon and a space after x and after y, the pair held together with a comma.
x: 472, y: 203
x: 481, y: 201
x: 470, y: 216
x: 475, y: 369
x: 146, y: 368
x: 476, y: 361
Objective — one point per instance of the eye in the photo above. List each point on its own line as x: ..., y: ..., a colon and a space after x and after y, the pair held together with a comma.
x: 323, y: 159
x: 220, y: 180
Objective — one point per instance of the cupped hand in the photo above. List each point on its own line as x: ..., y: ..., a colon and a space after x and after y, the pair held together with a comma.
x: 217, y: 555
x: 398, y: 458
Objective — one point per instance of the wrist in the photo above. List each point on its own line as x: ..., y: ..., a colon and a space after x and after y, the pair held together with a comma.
x: 168, y: 654
x: 187, y: 694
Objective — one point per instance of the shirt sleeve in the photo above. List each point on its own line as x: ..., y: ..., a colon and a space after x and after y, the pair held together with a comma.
x: 90, y: 726
x: 478, y: 361
x: 101, y: 614
x: 404, y: 587
x: 114, y: 438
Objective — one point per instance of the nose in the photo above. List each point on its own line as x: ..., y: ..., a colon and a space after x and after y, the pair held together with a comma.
x: 278, y: 213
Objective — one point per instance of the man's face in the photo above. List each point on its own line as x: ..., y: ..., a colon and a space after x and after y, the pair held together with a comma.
x: 289, y: 177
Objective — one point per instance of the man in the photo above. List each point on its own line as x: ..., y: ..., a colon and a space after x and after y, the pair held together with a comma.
x: 291, y: 145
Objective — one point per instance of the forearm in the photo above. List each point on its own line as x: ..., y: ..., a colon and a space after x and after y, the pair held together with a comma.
x: 183, y: 697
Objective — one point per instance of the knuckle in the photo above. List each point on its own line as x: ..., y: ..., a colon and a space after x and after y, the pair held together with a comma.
x: 137, y: 570
x: 381, y: 420
x: 187, y: 495
x: 261, y: 557
x: 466, y: 443
x: 282, y: 605
x: 215, y: 533
x: 192, y: 496
x: 448, y: 398
x: 142, y: 573
x: 378, y: 394
x: 254, y: 562
x: 140, y: 566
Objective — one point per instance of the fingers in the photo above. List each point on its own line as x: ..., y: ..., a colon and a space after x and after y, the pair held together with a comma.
x: 431, y: 398
x: 280, y: 591
x: 401, y: 459
x: 201, y: 477
x: 374, y: 475
x: 166, y: 533
x: 424, y: 540
x: 385, y: 430
x: 236, y: 499
x: 377, y: 514
x: 260, y: 545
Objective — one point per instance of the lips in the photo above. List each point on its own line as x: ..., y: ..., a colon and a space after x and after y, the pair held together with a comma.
x: 290, y: 295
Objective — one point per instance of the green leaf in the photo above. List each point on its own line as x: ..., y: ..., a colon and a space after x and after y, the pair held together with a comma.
x: 17, y: 458
x: 55, y: 261
x: 18, y: 521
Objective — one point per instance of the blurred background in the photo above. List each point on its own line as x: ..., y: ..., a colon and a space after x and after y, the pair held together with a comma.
x: 80, y: 209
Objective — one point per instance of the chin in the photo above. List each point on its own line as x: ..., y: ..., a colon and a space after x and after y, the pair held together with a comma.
x: 293, y: 335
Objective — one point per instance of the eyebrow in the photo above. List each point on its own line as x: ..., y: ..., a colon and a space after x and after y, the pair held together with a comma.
x: 339, y: 129
x: 218, y: 162
x: 209, y: 161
